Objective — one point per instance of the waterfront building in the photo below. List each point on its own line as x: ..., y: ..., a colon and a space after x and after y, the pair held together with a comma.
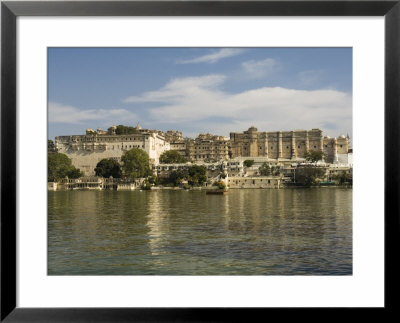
x: 94, y: 183
x: 233, y: 173
x: 235, y: 167
x: 87, y: 183
x: 337, y: 170
x: 255, y: 182
x: 332, y: 171
x: 52, y: 186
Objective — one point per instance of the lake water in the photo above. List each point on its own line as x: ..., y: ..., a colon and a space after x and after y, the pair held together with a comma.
x: 246, y: 232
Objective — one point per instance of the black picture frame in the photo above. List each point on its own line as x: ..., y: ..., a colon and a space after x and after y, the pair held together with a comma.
x: 10, y: 10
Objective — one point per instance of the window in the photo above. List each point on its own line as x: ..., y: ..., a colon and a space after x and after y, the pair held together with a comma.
x: 298, y: 147
x: 269, y: 181
x: 287, y: 147
x: 272, y: 148
x: 315, y: 147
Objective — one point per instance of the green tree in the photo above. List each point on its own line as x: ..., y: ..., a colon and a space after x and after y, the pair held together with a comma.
x: 59, y: 166
x: 264, y: 170
x: 108, y: 167
x: 154, y: 180
x: 51, y: 147
x: 275, y: 170
x: 125, y: 130
x: 75, y: 173
x: 136, y: 163
x: 314, y: 155
x: 177, y: 176
x: 220, y: 184
x: 345, y: 178
x: 248, y: 163
x: 172, y: 157
x: 197, y: 175
x: 308, y: 175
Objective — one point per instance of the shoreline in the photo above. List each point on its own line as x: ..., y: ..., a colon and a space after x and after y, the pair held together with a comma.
x: 166, y: 188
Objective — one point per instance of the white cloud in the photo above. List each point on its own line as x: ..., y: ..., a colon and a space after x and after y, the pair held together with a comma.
x: 60, y: 113
x: 179, y: 89
x: 213, y: 57
x: 261, y: 68
x: 194, y: 101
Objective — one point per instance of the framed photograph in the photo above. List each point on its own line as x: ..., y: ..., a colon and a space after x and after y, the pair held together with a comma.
x: 199, y: 158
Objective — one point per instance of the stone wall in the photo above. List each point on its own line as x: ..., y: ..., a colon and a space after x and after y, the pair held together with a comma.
x: 254, y: 182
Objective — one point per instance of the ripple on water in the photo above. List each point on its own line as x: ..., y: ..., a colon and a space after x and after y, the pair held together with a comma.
x: 247, y: 232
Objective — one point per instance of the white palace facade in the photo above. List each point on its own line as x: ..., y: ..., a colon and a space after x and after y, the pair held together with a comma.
x: 86, y: 151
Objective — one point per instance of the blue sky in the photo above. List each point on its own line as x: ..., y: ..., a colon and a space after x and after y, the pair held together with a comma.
x: 194, y: 90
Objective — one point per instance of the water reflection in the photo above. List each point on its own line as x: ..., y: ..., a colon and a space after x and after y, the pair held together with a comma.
x: 247, y: 232
x: 155, y: 223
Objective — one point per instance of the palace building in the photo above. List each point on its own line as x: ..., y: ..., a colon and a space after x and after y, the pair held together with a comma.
x: 287, y: 145
x: 87, y: 150
x: 207, y: 147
